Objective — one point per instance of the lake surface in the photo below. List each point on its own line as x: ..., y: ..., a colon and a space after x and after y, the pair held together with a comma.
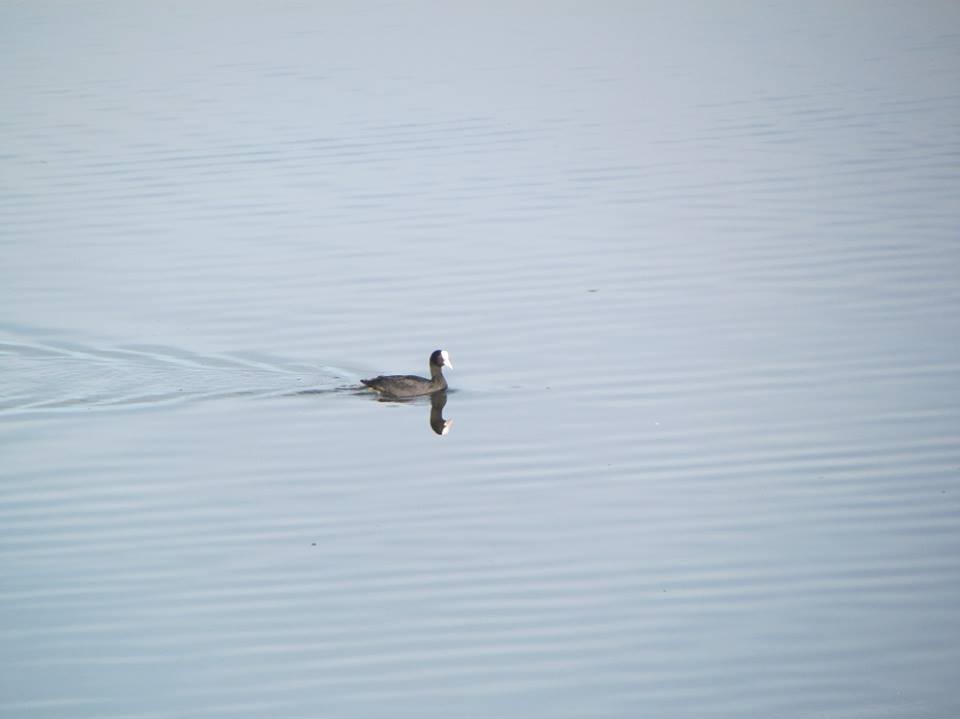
x: 697, y: 267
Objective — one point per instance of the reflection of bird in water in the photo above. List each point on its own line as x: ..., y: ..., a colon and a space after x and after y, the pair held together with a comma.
x: 408, y: 385
x: 437, y: 402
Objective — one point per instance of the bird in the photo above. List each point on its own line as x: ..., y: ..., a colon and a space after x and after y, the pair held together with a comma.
x: 408, y: 385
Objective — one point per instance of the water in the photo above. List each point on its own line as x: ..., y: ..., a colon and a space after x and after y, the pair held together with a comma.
x: 696, y: 267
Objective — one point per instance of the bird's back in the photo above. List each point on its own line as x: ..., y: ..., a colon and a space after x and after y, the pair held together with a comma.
x: 402, y: 385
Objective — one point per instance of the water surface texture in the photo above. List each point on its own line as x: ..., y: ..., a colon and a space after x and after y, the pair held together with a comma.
x: 696, y: 265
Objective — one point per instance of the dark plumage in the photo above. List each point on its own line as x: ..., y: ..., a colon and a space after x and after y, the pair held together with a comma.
x: 408, y: 385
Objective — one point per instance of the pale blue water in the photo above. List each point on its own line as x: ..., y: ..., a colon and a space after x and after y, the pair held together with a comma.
x: 696, y: 267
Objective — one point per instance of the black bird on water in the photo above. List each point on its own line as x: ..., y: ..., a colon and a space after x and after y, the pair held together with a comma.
x: 408, y: 385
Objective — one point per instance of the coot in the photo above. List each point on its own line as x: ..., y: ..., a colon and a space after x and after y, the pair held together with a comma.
x: 408, y: 385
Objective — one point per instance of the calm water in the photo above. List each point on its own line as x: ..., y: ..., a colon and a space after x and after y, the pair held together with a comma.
x: 697, y: 269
